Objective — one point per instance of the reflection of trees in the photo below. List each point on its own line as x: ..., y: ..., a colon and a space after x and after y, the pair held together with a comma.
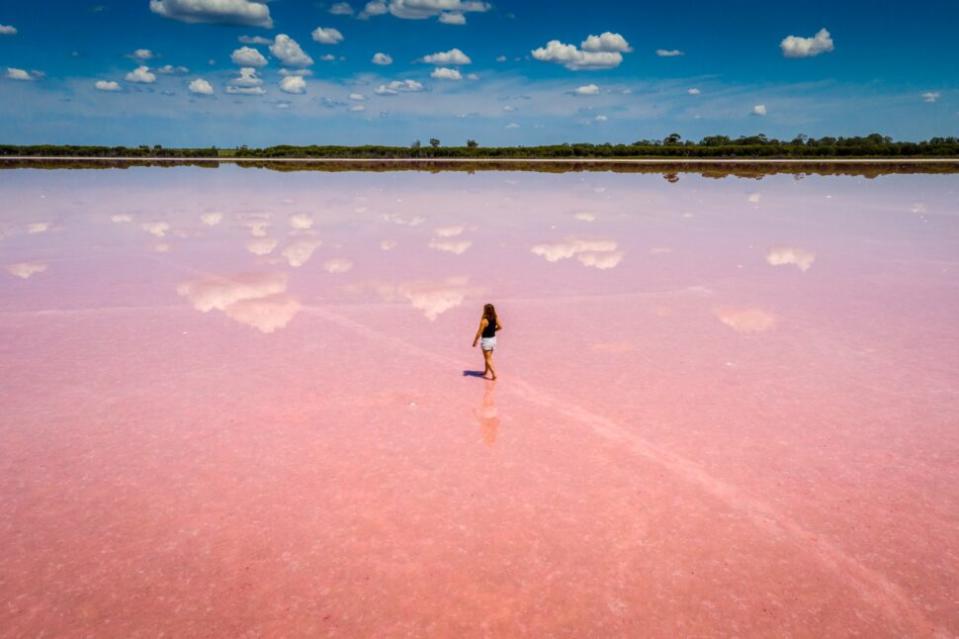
x: 670, y: 171
x: 672, y: 146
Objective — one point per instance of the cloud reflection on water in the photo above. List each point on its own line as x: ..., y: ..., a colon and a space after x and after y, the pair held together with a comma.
x: 254, y: 299
x: 786, y: 255
x: 25, y: 270
x: 746, y: 320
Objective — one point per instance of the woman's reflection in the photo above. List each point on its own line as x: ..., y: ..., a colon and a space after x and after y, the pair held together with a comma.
x: 487, y: 414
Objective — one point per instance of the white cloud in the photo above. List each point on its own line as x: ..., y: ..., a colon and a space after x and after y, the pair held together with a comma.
x: 448, y: 11
x: 201, y: 87
x: 785, y: 255
x: 452, y: 17
x: 357, y: 97
x: 453, y: 56
x: 399, y: 86
x: 327, y: 35
x: 121, y: 218
x: 509, y: 108
x: 754, y: 198
x: 106, y: 85
x: 341, y: 9
x: 238, y: 90
x: 501, y: 58
x: 512, y: 125
x: 759, y: 109
x: 18, y: 74
x: 472, y: 76
x: 141, y: 75
x: 38, y: 227
x: 245, y: 12
x: 327, y: 57
x: 585, y: 216
x: 358, y: 108
x: 248, y: 57
x: 587, y: 89
x: 337, y: 265
x: 606, y: 42
x: 24, y: 270
x: 600, y: 118
x: 298, y: 253
x: 693, y: 91
x: 374, y: 8
x: 6, y: 29
x: 301, y: 72
x: 293, y: 84
x: 245, y: 39
x: 575, y: 59
x: 289, y: 52
x: 930, y: 96
x: 387, y: 245
x: 746, y: 320
x: 796, y: 47
x: 445, y: 73
x: 382, y: 59
x: 169, y: 69
x: 247, y: 78
x: 669, y: 53
x: 142, y: 54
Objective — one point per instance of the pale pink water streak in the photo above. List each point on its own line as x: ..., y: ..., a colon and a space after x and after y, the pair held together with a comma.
x: 234, y: 404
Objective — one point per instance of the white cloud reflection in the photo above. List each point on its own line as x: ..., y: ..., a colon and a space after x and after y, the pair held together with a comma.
x: 337, y: 265
x: 601, y: 254
x: 432, y: 298
x: 786, y: 255
x: 211, y: 219
x: 298, y: 253
x: 157, y: 229
x: 301, y: 221
x: 24, y: 270
x: 258, y: 300
x: 457, y: 247
x: 261, y: 246
x: 746, y: 320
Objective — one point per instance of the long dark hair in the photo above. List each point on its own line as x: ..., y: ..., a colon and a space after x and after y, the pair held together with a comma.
x: 489, y: 312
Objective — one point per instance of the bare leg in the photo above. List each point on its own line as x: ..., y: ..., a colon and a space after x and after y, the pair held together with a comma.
x: 488, y: 357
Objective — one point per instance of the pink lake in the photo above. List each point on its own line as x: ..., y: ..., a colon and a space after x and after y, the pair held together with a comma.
x: 238, y: 403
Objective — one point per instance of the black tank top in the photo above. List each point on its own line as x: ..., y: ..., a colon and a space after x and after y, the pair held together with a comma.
x: 490, y: 330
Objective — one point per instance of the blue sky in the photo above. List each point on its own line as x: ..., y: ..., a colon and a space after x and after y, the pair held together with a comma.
x: 173, y: 72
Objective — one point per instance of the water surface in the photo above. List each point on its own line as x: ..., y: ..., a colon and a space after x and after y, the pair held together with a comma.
x: 239, y: 402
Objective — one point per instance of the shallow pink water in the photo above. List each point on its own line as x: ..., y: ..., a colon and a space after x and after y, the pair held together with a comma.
x: 234, y: 405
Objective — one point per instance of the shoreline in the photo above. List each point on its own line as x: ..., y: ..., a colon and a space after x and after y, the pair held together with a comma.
x: 648, y: 161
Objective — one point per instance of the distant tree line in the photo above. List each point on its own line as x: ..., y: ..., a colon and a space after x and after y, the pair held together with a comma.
x: 672, y: 146
x: 142, y: 151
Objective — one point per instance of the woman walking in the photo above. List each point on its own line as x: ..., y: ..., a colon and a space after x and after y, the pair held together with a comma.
x: 486, y: 332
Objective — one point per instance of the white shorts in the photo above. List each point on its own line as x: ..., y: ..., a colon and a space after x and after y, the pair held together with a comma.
x: 488, y: 343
